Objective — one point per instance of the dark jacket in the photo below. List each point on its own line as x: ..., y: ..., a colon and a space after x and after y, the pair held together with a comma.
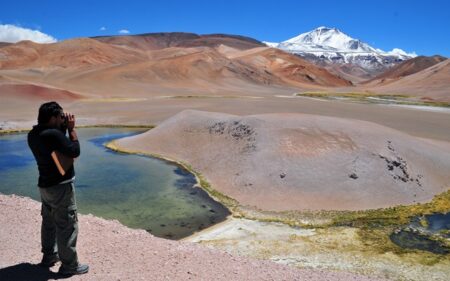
x: 43, y: 141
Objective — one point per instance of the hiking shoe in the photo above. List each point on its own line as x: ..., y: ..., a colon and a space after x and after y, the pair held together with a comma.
x: 49, y: 261
x: 80, y: 269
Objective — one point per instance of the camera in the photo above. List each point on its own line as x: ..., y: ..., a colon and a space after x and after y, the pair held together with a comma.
x: 65, y: 122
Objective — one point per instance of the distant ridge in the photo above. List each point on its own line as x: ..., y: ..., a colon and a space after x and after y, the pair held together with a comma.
x: 160, y: 40
x: 3, y: 44
x: 409, y: 67
x: 431, y: 83
x: 188, y: 35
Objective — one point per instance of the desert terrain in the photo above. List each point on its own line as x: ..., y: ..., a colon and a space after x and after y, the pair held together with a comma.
x: 231, y: 110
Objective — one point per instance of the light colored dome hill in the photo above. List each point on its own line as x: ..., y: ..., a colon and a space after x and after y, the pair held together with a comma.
x: 298, y: 161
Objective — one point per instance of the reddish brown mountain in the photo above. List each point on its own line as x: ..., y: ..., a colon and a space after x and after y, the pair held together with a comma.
x: 289, y: 68
x: 4, y: 44
x: 35, y: 93
x: 351, y: 72
x: 406, y: 68
x: 431, y: 83
x: 162, y: 62
x: 154, y: 41
x: 69, y: 53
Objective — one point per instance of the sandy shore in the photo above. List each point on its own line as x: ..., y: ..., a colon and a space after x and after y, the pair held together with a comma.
x: 115, y: 252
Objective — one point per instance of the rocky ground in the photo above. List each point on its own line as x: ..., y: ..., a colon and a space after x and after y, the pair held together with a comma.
x: 115, y: 252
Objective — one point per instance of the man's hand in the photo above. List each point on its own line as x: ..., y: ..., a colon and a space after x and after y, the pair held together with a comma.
x: 71, y: 126
x: 70, y: 121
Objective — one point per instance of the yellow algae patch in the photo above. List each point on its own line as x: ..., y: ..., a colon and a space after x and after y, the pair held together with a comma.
x: 372, y: 218
x: 391, y: 216
x: 13, y: 131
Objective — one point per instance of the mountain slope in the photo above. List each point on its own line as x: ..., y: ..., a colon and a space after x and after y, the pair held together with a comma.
x: 30, y: 92
x: 431, y: 83
x: 4, y: 44
x: 157, y: 63
x: 408, y: 67
x: 154, y: 41
x: 292, y: 69
x: 67, y: 54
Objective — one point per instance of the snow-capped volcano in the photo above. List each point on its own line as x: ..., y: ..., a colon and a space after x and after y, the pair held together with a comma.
x: 326, y: 39
x: 331, y: 45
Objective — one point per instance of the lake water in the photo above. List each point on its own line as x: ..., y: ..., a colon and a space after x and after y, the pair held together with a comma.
x: 139, y: 191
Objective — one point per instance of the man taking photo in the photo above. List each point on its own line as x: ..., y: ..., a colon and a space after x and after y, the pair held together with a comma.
x: 48, y: 142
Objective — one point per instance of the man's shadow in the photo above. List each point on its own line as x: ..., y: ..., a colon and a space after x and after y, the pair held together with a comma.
x: 27, y: 272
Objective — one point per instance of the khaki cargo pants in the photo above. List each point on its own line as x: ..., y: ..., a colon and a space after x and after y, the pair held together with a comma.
x: 60, y: 223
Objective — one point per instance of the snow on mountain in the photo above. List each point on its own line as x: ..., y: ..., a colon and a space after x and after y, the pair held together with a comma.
x: 400, y: 52
x: 330, y: 39
x: 330, y: 45
x: 271, y: 44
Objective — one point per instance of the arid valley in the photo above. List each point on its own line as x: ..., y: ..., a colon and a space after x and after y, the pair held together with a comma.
x: 330, y: 171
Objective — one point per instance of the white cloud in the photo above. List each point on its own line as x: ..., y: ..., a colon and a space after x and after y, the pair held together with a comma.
x: 102, y: 28
x: 12, y: 34
x: 124, y: 31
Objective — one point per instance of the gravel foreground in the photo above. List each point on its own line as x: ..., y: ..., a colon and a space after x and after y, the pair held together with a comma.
x: 115, y: 252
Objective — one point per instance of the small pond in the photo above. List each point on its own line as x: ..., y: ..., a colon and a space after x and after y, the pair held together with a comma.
x: 422, y: 232
x: 139, y: 191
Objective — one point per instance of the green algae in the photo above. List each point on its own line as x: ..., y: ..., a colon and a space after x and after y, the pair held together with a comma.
x: 13, y: 131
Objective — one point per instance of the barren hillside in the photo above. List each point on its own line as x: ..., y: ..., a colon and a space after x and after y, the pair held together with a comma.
x: 297, y: 162
x: 406, y: 68
x: 160, y: 63
x: 431, y: 83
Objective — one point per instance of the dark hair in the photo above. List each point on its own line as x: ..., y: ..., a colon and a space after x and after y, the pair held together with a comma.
x: 47, y: 110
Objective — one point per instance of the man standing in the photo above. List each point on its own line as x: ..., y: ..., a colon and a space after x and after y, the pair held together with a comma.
x: 59, y: 211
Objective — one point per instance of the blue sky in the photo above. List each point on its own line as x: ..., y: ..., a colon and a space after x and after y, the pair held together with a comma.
x: 414, y: 26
